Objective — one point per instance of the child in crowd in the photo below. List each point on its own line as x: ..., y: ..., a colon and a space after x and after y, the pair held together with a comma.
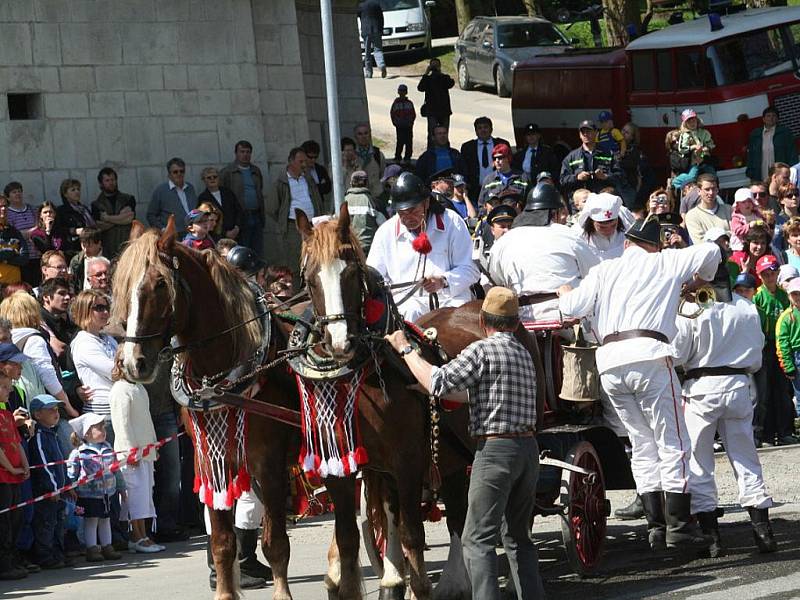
x: 13, y: 471
x: 224, y: 246
x: 197, y: 226
x: 745, y: 212
x: 91, y: 246
x: 694, y: 141
x: 403, y: 115
x: 787, y: 339
x: 214, y: 216
x: 48, y: 515
x: 93, y: 455
x: 745, y: 286
x: 133, y: 428
x: 609, y: 138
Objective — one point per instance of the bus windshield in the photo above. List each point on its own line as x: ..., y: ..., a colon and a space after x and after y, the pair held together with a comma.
x: 524, y: 35
x: 399, y: 4
x: 748, y: 57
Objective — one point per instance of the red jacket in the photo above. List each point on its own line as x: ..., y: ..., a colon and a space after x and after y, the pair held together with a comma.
x: 402, y: 112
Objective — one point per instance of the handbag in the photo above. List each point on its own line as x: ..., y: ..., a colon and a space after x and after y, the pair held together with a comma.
x: 423, y: 110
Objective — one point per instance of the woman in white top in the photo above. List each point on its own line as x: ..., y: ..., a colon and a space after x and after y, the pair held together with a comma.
x: 602, y: 223
x: 93, y: 352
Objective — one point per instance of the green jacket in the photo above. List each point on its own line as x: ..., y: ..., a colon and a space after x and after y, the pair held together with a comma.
x: 364, y: 217
x: 787, y: 338
x: 770, y: 308
x: 782, y: 143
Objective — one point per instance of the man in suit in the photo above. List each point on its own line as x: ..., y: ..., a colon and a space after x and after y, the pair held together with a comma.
x: 477, y: 155
x: 293, y: 189
x: 173, y: 197
x: 535, y: 157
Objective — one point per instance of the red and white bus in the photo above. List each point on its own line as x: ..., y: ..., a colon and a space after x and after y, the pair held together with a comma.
x: 728, y: 76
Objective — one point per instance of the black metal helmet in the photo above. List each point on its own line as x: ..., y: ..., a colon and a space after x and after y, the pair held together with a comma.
x: 544, y: 196
x: 245, y: 259
x: 408, y: 191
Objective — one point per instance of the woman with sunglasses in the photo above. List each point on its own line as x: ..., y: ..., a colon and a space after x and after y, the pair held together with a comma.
x: 225, y: 201
x: 788, y: 199
x: 93, y: 352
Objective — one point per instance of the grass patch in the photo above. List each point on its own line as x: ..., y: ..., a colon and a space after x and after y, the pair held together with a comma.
x: 415, y: 65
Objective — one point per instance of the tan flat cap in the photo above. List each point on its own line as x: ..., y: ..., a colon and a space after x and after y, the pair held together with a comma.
x: 501, y: 302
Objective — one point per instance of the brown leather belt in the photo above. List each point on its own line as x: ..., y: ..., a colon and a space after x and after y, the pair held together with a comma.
x: 635, y: 333
x: 506, y: 436
x: 528, y: 299
x: 711, y: 371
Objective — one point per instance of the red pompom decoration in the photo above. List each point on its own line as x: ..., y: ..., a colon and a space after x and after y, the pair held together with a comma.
x: 373, y: 310
x: 422, y: 244
x: 361, y: 456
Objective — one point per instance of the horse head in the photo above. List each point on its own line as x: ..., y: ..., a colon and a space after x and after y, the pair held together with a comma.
x: 145, y: 294
x: 335, y: 274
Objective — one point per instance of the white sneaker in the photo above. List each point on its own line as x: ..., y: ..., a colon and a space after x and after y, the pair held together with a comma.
x: 149, y: 549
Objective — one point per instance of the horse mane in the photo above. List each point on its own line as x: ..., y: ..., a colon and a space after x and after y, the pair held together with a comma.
x: 235, y: 296
x: 324, y: 245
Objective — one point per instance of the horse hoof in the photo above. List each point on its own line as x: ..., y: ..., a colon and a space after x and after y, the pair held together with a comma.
x: 397, y: 592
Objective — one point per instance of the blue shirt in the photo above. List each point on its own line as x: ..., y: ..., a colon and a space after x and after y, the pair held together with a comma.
x: 443, y: 159
x: 250, y: 198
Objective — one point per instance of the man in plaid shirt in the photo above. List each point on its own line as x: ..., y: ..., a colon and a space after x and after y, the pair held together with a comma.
x: 500, y: 377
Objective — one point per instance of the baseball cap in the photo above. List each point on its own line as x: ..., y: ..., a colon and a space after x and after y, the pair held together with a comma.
x: 787, y: 273
x: 43, y: 401
x: 458, y: 180
x: 587, y: 124
x: 391, y: 171
x: 605, y: 116
x: 501, y: 213
x: 531, y: 128
x: 501, y: 150
x: 10, y: 353
x: 745, y: 280
x: 358, y: 177
x: 742, y: 195
x: 194, y: 216
x: 688, y: 114
x: 767, y: 263
x: 714, y: 233
x: 793, y: 286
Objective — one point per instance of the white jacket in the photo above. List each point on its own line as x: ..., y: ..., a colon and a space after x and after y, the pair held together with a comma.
x: 93, y: 356
x: 130, y: 417
x: 35, y: 348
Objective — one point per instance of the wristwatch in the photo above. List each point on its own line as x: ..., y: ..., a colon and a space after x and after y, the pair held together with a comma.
x: 407, y: 350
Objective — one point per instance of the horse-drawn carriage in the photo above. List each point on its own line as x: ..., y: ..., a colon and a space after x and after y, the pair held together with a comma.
x: 259, y: 406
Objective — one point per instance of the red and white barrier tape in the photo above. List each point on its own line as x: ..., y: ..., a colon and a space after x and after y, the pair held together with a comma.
x: 133, y: 455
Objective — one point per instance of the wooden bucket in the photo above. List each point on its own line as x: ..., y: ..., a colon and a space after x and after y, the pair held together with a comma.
x: 581, y: 381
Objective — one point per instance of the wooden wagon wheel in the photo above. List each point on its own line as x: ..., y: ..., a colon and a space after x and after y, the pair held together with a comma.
x: 583, y: 524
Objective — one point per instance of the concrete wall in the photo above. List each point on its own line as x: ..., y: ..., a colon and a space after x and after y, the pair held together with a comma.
x: 131, y: 83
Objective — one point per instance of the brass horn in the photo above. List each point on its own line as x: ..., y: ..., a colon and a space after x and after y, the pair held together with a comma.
x: 704, y: 297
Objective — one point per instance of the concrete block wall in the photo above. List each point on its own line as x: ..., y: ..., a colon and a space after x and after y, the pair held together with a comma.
x: 131, y: 83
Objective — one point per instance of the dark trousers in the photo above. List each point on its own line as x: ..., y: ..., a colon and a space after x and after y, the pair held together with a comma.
x: 167, y: 489
x: 772, y: 416
x: 251, y: 233
x: 502, y: 492
x: 405, y: 139
x: 10, y: 524
x: 48, y: 530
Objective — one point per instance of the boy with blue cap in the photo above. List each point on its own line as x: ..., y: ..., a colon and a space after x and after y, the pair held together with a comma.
x: 609, y: 138
x: 43, y: 448
x: 197, y: 227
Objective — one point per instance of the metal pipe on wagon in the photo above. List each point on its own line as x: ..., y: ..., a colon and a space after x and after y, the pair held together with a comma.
x: 332, y: 93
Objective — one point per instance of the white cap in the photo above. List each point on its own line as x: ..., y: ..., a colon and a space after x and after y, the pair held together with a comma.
x: 82, y: 424
x: 793, y: 286
x: 786, y: 273
x: 714, y: 233
x: 600, y: 207
x: 742, y: 194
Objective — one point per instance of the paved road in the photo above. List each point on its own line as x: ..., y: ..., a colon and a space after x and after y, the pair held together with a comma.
x: 466, y: 107
x: 629, y: 570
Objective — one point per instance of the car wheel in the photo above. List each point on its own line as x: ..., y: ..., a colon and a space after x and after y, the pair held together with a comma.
x: 463, y: 76
x: 500, y: 83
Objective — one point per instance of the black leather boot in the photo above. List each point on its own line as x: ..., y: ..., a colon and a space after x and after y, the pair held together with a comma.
x: 247, y: 541
x: 762, y: 530
x: 681, y: 533
x: 635, y: 510
x: 710, y: 527
x: 653, y: 505
x: 246, y: 582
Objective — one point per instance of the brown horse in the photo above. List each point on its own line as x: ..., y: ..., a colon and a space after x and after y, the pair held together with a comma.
x: 164, y: 289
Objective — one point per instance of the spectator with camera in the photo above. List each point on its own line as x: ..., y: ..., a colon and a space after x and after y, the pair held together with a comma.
x: 588, y: 166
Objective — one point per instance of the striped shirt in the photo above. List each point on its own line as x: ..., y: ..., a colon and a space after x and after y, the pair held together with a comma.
x: 23, y: 219
x: 498, y: 373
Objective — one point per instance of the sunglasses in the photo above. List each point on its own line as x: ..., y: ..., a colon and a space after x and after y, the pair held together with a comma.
x: 498, y: 157
x: 177, y: 171
x: 100, y: 308
x: 791, y: 195
x: 759, y: 194
x: 212, y: 176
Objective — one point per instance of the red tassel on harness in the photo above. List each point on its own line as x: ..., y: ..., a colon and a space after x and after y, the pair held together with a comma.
x: 196, y: 487
x: 243, y: 479
x: 422, y: 244
x: 434, y: 514
x: 373, y: 310
x: 361, y: 456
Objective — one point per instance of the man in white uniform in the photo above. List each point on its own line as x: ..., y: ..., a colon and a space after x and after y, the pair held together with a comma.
x: 426, y: 247
x: 634, y: 300
x: 539, y: 255
x: 720, y: 350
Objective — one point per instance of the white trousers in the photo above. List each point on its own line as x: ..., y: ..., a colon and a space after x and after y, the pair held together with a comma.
x: 647, y: 398
x: 730, y: 414
x: 139, y: 481
x: 248, y: 512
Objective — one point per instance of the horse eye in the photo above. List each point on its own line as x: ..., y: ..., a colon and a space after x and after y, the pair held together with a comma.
x: 161, y: 284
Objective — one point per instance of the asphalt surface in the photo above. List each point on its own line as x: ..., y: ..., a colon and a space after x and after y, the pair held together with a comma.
x: 629, y: 569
